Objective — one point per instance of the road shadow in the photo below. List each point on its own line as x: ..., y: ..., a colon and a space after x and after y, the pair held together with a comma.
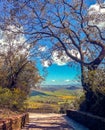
x: 48, y: 123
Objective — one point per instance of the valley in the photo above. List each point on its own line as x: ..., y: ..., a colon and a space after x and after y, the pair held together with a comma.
x: 53, y: 100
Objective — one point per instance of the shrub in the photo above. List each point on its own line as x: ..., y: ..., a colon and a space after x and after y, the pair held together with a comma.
x: 96, y: 80
x: 12, y: 99
x: 5, y: 98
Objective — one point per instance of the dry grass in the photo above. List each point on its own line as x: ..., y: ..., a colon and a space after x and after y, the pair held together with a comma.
x: 6, y: 113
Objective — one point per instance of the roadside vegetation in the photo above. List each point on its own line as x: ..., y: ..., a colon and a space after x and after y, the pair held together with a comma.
x: 17, y: 72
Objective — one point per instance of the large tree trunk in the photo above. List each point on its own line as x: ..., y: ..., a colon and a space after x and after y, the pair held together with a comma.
x: 86, y: 104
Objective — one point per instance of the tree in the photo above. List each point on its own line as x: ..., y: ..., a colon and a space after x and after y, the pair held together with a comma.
x: 17, y: 72
x: 16, y: 68
x: 72, y: 26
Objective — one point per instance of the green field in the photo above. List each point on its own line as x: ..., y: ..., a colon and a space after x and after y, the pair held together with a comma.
x: 53, y: 100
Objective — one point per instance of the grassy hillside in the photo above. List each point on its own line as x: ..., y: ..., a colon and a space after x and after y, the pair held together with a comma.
x: 53, y: 100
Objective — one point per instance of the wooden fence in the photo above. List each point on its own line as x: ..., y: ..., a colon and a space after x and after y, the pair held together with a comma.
x: 15, y: 123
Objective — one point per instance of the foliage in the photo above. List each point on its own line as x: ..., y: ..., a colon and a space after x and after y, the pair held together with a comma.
x: 95, y: 95
x: 16, y: 68
x: 17, y: 72
x: 72, y: 28
x: 23, y: 75
x: 5, y: 97
x: 75, y: 28
x: 75, y: 105
x: 12, y: 99
x: 96, y: 80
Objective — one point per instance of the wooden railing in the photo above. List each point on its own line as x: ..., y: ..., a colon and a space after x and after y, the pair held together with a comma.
x: 14, y: 123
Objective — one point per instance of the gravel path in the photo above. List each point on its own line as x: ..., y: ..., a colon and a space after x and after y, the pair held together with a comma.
x: 51, y: 122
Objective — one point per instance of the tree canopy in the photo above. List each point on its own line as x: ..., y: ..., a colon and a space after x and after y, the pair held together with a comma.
x: 75, y: 29
x: 16, y: 68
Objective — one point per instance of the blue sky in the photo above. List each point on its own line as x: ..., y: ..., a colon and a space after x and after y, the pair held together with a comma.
x: 61, y: 75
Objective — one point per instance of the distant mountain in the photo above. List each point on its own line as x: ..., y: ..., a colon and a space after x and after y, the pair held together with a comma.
x: 52, y: 87
x: 73, y: 88
x: 45, y: 92
x: 57, y: 87
x: 34, y: 92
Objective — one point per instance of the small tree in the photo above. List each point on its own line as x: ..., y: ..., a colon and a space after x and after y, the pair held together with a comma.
x: 13, y: 100
x: 16, y: 68
x: 17, y: 72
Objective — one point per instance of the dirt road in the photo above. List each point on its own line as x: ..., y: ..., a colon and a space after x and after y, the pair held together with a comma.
x: 50, y: 122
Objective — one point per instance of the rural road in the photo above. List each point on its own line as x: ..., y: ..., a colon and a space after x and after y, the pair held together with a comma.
x: 51, y: 122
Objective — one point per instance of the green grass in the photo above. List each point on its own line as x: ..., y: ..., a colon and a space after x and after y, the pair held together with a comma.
x: 54, y: 99
x: 61, y: 92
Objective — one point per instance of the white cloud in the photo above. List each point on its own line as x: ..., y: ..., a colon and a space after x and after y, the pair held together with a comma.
x: 97, y: 15
x: 74, y: 53
x: 46, y: 63
x: 53, y: 80
x: 42, y: 48
x: 67, y: 40
x: 67, y: 80
x: 10, y: 41
x: 61, y: 58
x: 96, y: 8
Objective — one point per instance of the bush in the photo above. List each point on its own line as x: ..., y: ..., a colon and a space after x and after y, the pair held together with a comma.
x: 12, y: 99
x: 96, y: 80
x: 5, y: 98
x: 75, y: 104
